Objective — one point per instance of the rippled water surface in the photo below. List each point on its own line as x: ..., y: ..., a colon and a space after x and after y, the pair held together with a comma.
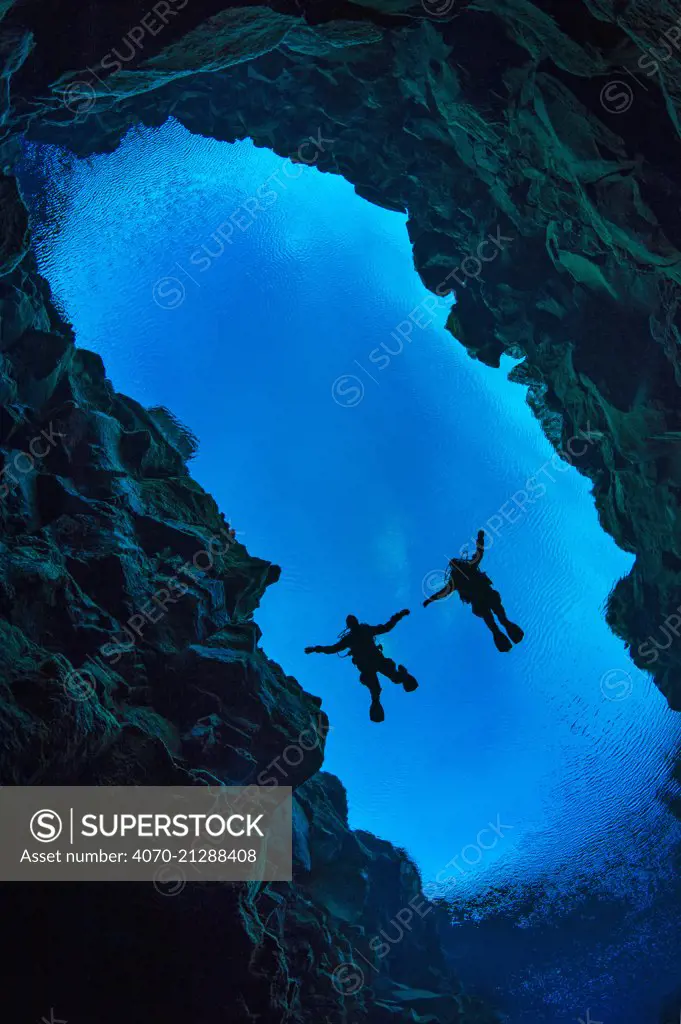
x: 360, y: 479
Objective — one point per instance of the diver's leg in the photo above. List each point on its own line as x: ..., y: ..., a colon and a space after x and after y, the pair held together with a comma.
x: 398, y: 674
x: 500, y: 639
x: 514, y: 631
x: 388, y: 668
x: 369, y: 678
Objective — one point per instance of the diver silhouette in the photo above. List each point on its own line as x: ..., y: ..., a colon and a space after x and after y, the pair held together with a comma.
x: 369, y: 658
x: 475, y: 588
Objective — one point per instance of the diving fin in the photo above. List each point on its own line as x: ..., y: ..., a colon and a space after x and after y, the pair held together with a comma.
x: 376, y: 712
x: 408, y: 681
x: 502, y: 642
x: 515, y: 632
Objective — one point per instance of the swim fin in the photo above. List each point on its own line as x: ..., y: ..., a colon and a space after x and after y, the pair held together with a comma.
x: 408, y: 681
x: 376, y: 712
x: 502, y: 642
x: 515, y: 632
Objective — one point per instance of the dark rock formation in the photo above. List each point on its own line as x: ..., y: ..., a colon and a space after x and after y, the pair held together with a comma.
x: 671, y: 1011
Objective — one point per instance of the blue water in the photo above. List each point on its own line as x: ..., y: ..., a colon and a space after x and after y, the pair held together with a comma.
x: 360, y: 479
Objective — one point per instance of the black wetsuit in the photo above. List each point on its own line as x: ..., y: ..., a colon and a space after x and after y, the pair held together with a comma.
x: 473, y: 586
x: 369, y: 658
x: 360, y: 642
x: 476, y: 589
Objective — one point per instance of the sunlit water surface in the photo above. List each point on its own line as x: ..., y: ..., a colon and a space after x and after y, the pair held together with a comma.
x: 360, y: 479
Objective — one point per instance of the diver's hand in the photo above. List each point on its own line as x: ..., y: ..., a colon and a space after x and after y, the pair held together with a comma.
x: 405, y: 611
x: 427, y: 602
x: 311, y: 650
x: 481, y: 534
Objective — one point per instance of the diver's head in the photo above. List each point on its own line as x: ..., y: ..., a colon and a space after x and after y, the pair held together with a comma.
x: 352, y: 621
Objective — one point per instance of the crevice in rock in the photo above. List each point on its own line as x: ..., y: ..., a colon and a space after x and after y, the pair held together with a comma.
x: 514, y: 136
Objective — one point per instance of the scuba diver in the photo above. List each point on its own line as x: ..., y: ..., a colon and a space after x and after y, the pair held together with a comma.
x: 475, y: 588
x: 369, y: 658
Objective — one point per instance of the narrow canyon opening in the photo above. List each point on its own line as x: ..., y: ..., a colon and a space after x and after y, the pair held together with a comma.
x: 361, y: 475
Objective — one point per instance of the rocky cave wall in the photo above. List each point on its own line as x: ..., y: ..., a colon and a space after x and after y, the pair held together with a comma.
x: 499, y: 118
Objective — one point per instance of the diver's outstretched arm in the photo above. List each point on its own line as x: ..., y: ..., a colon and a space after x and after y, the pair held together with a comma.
x: 445, y: 592
x: 479, y: 548
x: 332, y: 649
x: 391, y: 623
